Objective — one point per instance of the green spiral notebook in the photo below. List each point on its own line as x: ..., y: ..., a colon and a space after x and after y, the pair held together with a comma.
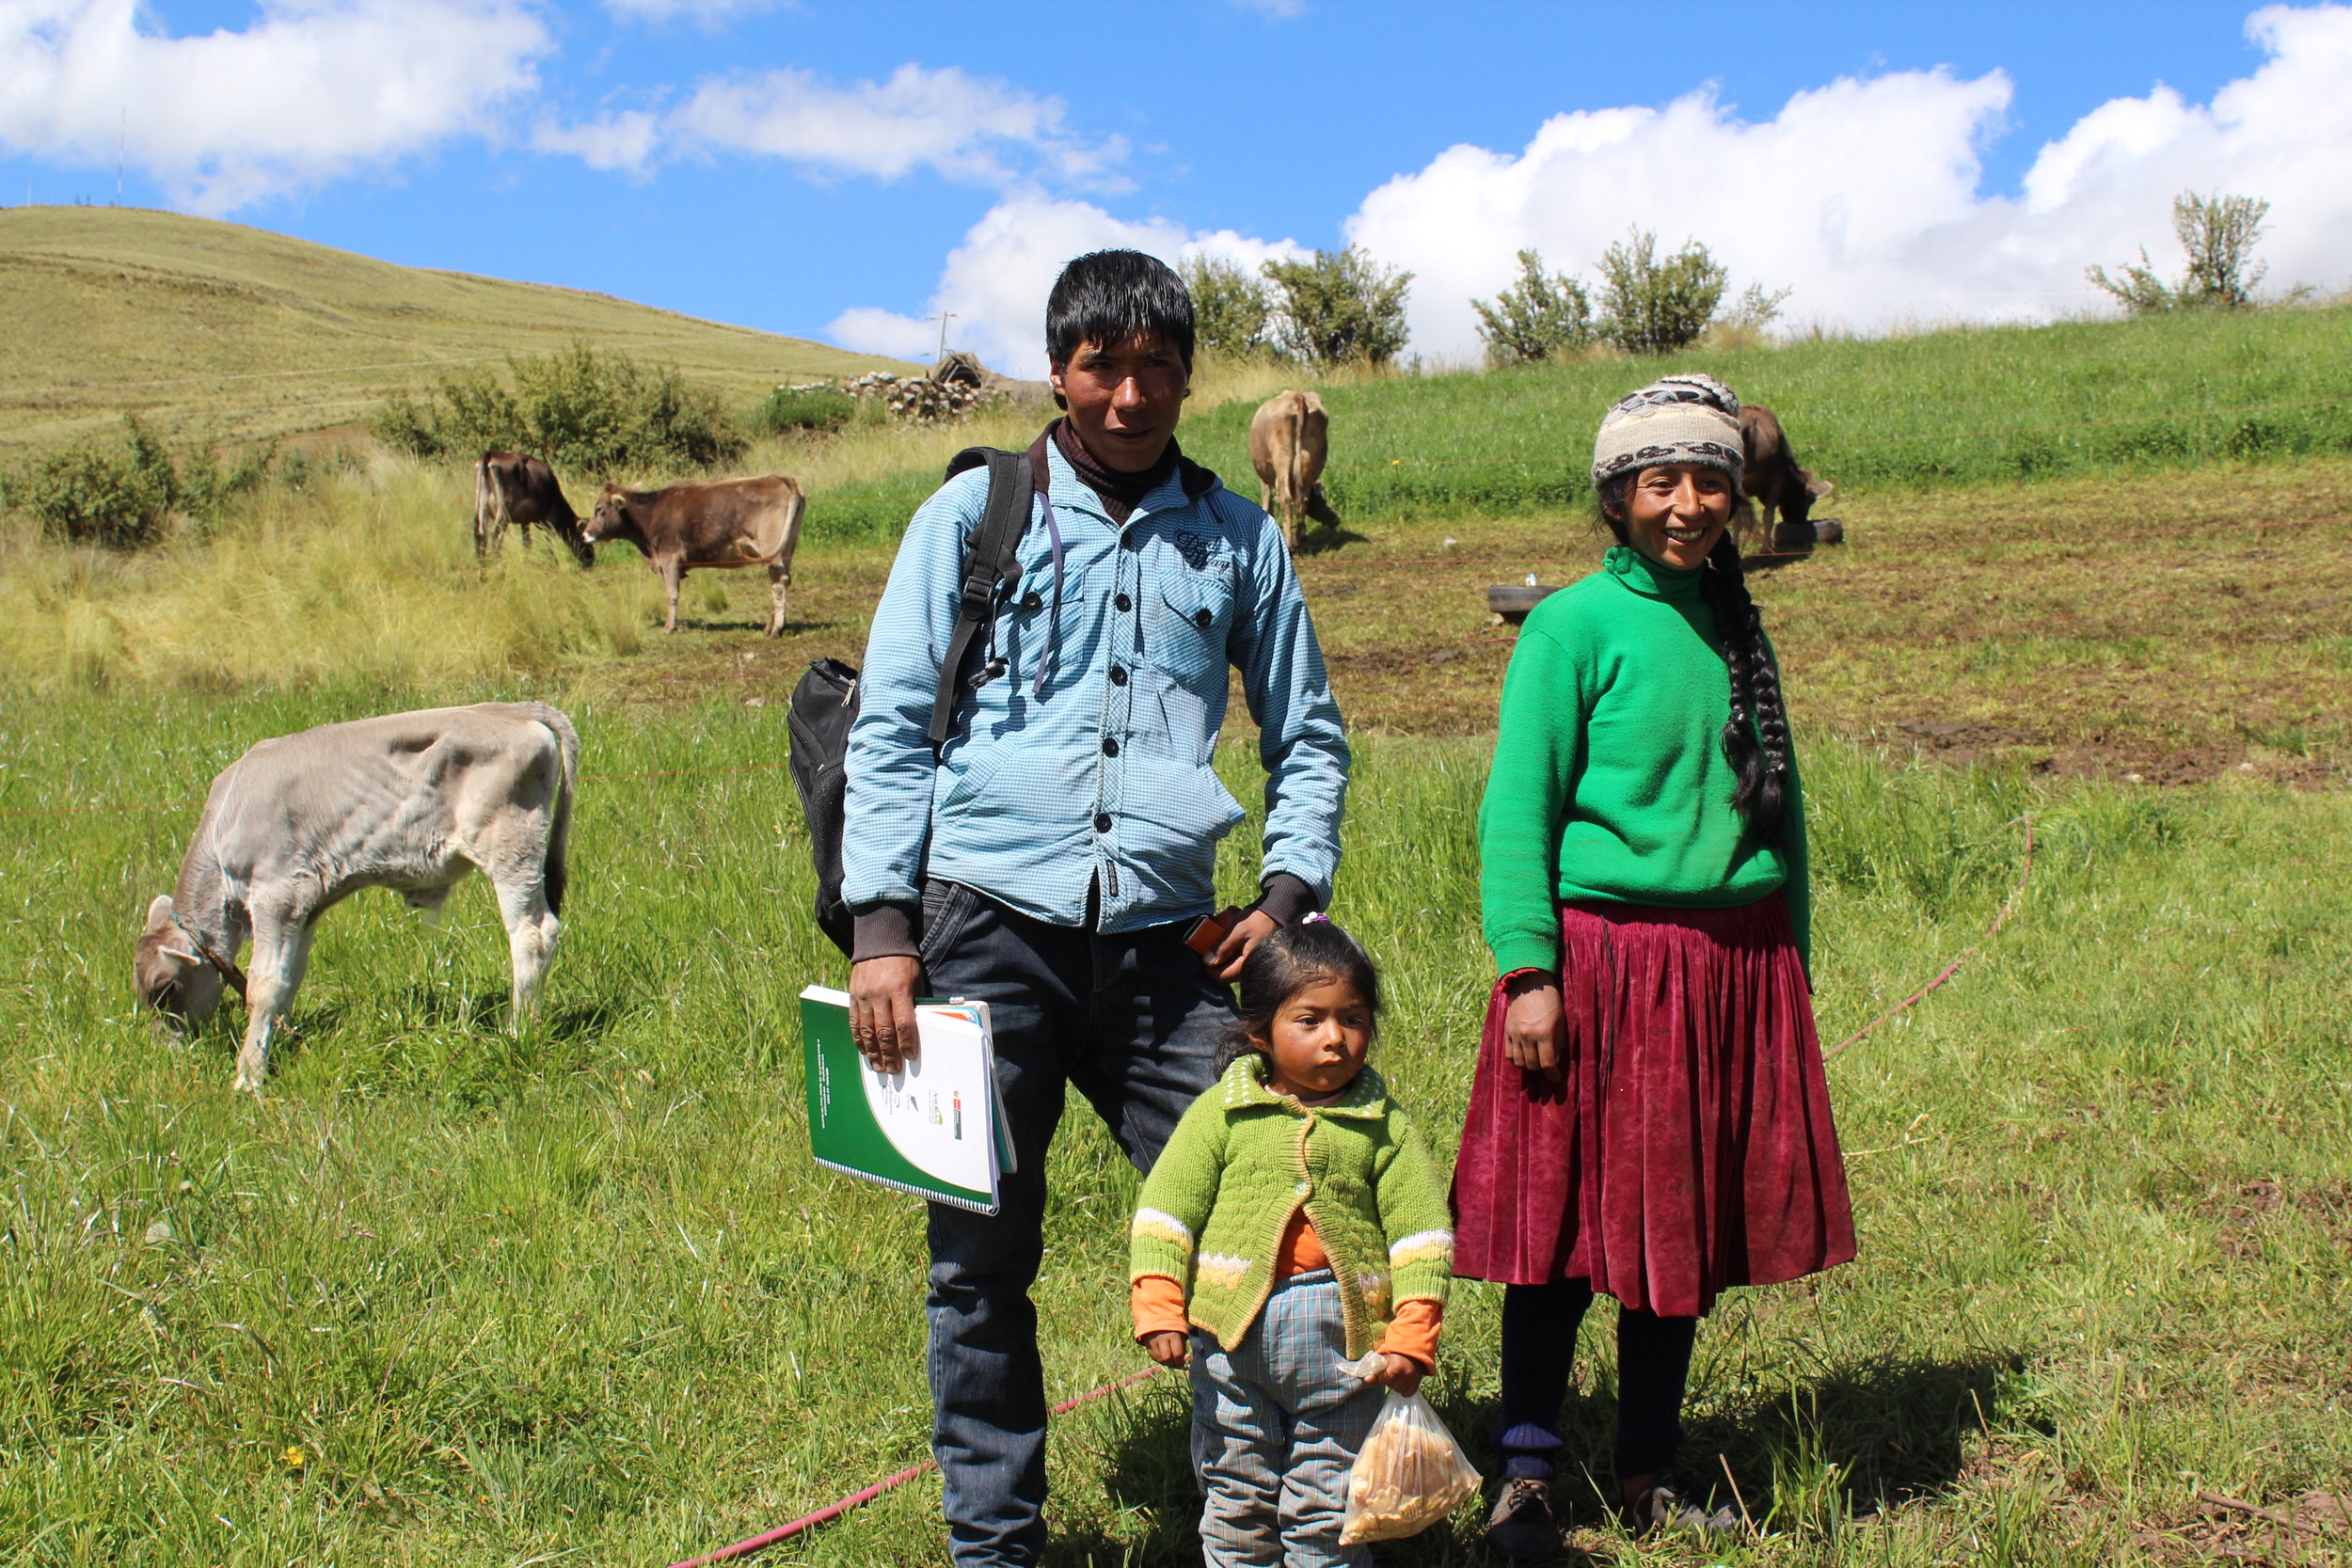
x: 934, y: 1129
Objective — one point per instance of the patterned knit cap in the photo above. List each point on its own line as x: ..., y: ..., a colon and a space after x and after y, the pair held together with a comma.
x: 1676, y: 418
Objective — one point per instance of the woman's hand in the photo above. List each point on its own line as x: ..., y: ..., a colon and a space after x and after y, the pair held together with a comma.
x: 1168, y: 1347
x: 1532, y: 1025
x: 1400, y: 1372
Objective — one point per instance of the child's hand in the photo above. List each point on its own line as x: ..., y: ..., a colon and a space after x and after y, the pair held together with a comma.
x: 1400, y: 1372
x: 1170, y: 1348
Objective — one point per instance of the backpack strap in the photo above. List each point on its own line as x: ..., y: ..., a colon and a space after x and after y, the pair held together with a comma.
x: 989, y: 562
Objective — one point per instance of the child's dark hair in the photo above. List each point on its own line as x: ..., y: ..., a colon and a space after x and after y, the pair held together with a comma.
x: 1285, y: 963
x: 1114, y: 296
x: 1758, y: 753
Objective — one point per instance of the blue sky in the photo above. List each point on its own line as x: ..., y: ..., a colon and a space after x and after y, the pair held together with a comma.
x: 812, y: 168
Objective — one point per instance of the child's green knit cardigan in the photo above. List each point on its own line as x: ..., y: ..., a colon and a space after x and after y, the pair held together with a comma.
x: 1242, y: 1161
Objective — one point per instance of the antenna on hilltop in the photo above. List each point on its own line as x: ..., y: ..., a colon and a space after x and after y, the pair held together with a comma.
x: 945, y: 317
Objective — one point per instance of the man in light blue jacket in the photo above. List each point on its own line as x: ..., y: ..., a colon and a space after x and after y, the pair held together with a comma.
x: 1051, y: 856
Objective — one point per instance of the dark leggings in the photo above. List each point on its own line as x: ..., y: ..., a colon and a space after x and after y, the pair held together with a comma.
x: 1539, y: 1325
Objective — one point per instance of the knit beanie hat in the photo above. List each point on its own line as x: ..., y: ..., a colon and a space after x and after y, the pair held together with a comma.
x: 1676, y: 418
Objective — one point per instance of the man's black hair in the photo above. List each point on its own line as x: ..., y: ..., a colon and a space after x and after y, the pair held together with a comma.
x: 1114, y: 296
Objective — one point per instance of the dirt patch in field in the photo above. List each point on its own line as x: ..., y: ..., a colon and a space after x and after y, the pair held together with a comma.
x: 2163, y: 630
x: 2314, y: 1529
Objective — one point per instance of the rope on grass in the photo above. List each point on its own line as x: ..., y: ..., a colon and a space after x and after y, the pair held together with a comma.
x: 2000, y: 918
x: 834, y: 1510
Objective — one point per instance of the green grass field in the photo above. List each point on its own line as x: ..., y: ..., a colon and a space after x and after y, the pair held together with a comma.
x: 447, y: 1296
x: 215, y: 331
x: 450, y: 1297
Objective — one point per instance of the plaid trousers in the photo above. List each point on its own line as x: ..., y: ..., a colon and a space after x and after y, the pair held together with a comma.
x: 1276, y: 1425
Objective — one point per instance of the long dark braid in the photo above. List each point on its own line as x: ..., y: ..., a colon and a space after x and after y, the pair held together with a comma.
x: 1758, y: 752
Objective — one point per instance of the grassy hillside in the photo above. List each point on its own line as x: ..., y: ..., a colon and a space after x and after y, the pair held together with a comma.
x: 215, y: 329
x: 1967, y: 407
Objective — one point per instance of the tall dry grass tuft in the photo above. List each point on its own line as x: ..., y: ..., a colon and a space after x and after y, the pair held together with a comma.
x: 366, y: 575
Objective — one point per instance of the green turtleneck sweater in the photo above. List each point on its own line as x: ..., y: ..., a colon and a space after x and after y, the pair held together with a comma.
x: 1609, y: 776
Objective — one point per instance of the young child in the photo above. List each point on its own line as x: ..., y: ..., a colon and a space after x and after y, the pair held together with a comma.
x: 1293, y: 1224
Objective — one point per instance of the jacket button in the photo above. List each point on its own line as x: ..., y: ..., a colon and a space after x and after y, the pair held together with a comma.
x: 1030, y: 601
x: 1118, y: 675
x: 1122, y: 602
x: 1304, y: 1188
x: 1102, y: 821
x: 1110, y: 747
x: 1202, y: 619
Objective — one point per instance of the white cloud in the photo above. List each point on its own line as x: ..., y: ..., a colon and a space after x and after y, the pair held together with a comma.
x: 311, y: 91
x: 1865, y: 196
x: 959, y: 126
x: 995, y: 282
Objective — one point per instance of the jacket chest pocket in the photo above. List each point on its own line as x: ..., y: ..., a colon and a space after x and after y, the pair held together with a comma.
x: 1196, y: 614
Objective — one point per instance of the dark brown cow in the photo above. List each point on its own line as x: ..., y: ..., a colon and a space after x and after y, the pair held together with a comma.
x: 1770, y: 475
x: 509, y: 487
x: 723, y: 522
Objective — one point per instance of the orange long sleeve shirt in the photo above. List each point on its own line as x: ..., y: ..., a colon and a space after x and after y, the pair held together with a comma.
x: 1158, y: 1301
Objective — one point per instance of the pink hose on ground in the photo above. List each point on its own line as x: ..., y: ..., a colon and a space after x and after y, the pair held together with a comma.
x: 835, y: 1510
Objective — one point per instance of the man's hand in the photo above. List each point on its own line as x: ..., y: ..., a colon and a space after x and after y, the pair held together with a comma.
x: 1225, y: 960
x: 1400, y: 1372
x: 1168, y: 1347
x: 881, y: 1010
x: 1533, y: 1024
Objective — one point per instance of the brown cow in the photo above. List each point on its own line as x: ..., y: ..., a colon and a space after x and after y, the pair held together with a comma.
x: 1770, y: 475
x: 1288, y: 442
x: 509, y: 487
x: 722, y: 522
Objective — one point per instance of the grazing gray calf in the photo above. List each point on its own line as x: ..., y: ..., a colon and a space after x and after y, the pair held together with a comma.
x: 410, y: 802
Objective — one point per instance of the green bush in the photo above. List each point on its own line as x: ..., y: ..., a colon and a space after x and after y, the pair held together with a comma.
x: 590, y: 413
x: 1654, y: 306
x: 1342, y: 308
x: 1231, y: 311
x: 2219, y: 233
x: 1535, y: 318
x: 788, y: 408
x: 120, y: 493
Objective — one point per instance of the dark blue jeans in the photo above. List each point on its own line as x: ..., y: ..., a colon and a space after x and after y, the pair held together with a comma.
x: 1133, y: 1021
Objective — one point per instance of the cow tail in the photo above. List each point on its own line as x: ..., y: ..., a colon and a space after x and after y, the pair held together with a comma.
x: 560, y: 831
x: 1299, y: 485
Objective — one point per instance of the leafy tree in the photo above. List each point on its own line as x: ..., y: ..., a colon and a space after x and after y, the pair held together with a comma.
x: 1535, y: 318
x: 1653, y: 307
x: 1231, y: 310
x: 2219, y: 233
x: 1340, y: 309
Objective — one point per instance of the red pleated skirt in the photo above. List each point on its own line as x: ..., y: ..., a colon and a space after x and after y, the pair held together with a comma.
x: 1690, y: 1147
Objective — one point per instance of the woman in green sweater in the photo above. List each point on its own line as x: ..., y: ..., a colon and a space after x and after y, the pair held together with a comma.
x: 1650, y: 1119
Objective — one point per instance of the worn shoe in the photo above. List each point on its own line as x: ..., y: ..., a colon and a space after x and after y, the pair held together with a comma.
x: 1661, y: 1509
x: 1521, y: 1526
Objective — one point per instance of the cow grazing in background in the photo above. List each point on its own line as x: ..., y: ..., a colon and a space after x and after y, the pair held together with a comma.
x: 410, y: 802
x: 723, y: 522
x: 510, y: 487
x: 1769, y: 476
x: 1288, y: 442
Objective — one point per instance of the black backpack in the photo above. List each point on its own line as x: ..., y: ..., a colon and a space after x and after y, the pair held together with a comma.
x: 825, y: 703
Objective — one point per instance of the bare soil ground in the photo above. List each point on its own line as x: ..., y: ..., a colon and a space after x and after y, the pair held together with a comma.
x: 2171, y: 628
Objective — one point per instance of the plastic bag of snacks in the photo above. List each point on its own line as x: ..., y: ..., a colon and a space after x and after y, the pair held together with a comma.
x: 1410, y: 1474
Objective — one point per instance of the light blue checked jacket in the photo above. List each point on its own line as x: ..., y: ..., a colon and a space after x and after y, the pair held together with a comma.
x: 1087, y: 758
